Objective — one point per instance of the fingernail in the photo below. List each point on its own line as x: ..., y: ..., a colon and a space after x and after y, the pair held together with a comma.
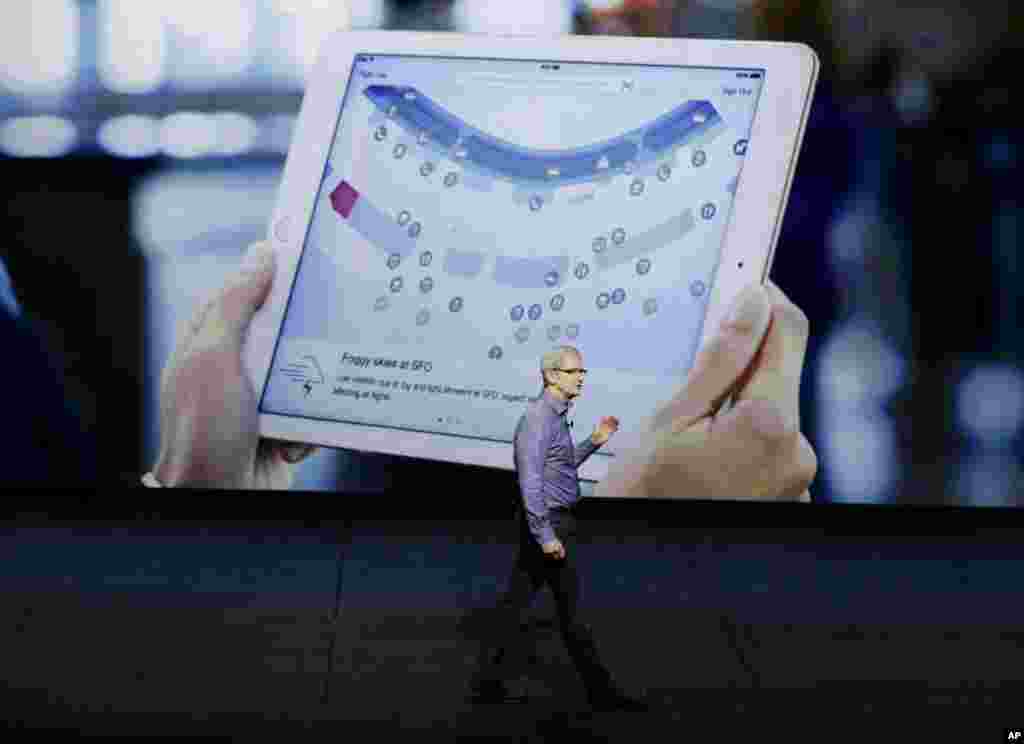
x: 259, y: 257
x: 747, y: 307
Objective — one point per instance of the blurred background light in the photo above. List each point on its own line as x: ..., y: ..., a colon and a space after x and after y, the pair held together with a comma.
x: 131, y: 46
x: 37, y: 136
x: 522, y: 16
x: 130, y: 136
x: 850, y: 234
x: 39, y: 46
x: 236, y: 133
x: 306, y: 24
x: 367, y: 13
x: 990, y: 402
x: 1000, y: 154
x: 275, y: 134
x: 859, y: 369
x: 911, y: 95
x: 188, y: 134
x: 213, y: 41
x: 860, y: 450
x: 990, y: 479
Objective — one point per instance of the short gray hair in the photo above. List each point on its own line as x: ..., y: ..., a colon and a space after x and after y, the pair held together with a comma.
x: 553, y: 360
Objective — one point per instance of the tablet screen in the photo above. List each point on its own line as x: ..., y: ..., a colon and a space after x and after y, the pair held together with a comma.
x: 474, y: 214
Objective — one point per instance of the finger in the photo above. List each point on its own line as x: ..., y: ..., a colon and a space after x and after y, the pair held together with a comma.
x: 722, y: 361
x: 186, y: 331
x: 229, y: 315
x: 770, y: 458
x: 780, y: 361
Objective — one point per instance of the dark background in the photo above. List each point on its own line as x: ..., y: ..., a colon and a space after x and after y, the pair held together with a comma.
x: 338, y: 619
x: 334, y: 618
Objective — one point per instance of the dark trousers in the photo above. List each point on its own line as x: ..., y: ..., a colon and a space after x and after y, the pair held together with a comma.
x: 531, y: 571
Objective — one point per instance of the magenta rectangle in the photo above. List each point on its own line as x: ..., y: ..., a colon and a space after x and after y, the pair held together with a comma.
x: 344, y: 198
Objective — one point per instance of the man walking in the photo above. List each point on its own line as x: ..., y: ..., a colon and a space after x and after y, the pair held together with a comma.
x: 546, y: 466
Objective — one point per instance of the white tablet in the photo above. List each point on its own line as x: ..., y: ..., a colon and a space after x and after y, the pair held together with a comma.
x: 454, y: 206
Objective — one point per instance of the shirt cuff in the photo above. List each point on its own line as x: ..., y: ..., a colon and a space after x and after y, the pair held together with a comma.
x: 545, y: 535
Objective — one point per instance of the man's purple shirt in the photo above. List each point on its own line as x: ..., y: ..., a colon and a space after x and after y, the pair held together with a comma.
x: 546, y: 463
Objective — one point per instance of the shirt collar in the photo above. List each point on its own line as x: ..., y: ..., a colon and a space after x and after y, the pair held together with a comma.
x: 558, y: 405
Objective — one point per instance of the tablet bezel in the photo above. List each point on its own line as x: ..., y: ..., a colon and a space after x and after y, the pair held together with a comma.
x: 778, y: 127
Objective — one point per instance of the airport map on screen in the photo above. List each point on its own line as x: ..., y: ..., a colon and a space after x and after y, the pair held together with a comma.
x: 474, y: 214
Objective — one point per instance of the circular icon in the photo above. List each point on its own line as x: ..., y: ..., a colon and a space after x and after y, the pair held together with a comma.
x: 536, y: 203
x: 381, y: 303
x: 581, y: 271
x: 554, y: 332
x: 697, y: 288
x: 396, y: 284
x: 403, y: 218
x: 423, y: 317
x: 494, y: 352
x: 455, y: 305
x: 399, y: 151
x: 426, y: 284
x: 699, y: 158
x: 618, y: 296
x: 602, y: 300
x: 643, y: 266
x: 425, y: 258
x: 618, y: 236
x: 707, y: 211
x: 551, y: 278
x: 451, y: 178
x: 282, y: 228
x: 740, y: 148
x: 522, y: 333
x: 517, y: 313
x: 557, y: 302
x: 599, y: 244
x: 393, y: 260
x: 414, y: 229
x: 426, y: 169
x: 664, y: 172
x: 650, y: 306
x: 636, y: 187
x: 381, y: 133
x: 535, y: 312
x: 572, y: 330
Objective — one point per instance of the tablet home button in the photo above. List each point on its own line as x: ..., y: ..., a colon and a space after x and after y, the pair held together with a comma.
x: 282, y: 229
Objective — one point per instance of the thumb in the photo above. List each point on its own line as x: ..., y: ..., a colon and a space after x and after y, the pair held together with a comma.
x: 240, y: 298
x: 720, y: 365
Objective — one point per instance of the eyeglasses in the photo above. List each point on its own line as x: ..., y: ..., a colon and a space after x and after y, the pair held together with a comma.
x: 573, y: 371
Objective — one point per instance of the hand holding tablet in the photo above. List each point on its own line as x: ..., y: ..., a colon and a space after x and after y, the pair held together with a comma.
x: 695, y: 448
x: 458, y: 205
x: 207, y: 407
